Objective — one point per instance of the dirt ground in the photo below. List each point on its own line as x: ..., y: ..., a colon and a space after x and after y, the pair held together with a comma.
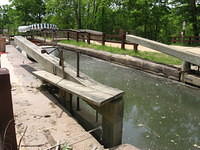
x: 140, y: 47
x: 127, y: 46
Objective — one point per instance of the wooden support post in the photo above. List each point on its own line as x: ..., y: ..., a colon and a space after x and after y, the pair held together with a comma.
x: 186, y: 67
x: 83, y: 36
x: 123, y: 39
x: 67, y: 35
x: 174, y: 40
x: 7, y: 125
x: 88, y: 38
x: 103, y: 38
x: 190, y: 41
x: 77, y: 36
x: 112, y: 123
x: 135, y: 47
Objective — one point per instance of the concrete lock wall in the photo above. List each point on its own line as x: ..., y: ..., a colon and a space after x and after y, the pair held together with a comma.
x: 7, y: 122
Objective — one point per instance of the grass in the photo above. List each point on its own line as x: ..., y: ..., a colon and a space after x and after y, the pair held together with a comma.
x: 152, y: 56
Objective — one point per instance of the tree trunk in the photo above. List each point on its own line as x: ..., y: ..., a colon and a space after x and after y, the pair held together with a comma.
x: 88, y: 26
x: 193, y: 12
x: 79, y: 14
x: 102, y: 18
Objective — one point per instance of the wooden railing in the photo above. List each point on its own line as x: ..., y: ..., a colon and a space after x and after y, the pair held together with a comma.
x: 87, y: 36
x: 186, y: 39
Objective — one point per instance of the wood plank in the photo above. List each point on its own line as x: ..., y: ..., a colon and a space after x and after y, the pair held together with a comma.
x: 88, y: 94
x: 189, y: 56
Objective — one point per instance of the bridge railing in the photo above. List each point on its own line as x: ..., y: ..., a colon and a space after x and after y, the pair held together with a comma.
x: 86, y: 35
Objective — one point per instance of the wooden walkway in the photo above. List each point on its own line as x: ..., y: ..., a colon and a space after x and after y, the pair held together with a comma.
x: 187, y: 54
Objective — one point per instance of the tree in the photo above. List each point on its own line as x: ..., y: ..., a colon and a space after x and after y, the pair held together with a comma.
x: 5, y: 19
x: 153, y: 19
x: 190, y: 12
x: 29, y: 11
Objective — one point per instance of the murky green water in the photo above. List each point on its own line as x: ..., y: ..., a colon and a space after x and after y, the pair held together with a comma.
x: 159, y: 114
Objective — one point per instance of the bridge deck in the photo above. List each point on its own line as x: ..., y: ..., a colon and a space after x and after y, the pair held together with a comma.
x: 90, y: 95
x: 188, y: 54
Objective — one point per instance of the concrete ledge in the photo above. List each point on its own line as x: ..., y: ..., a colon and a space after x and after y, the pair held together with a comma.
x: 129, y: 61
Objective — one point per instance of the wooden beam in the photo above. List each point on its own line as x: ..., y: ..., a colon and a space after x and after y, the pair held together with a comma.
x: 90, y: 95
x: 189, y: 55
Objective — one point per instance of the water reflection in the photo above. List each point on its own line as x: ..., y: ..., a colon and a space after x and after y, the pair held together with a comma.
x: 158, y: 114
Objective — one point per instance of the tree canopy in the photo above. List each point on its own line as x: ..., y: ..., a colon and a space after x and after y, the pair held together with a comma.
x: 153, y: 19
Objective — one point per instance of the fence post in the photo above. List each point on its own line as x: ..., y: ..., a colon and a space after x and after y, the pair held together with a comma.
x: 82, y: 36
x: 123, y: 39
x: 103, y: 38
x: 77, y: 36
x: 7, y: 126
x: 67, y: 35
x: 190, y: 40
x: 174, y: 39
x: 88, y: 38
x: 135, y: 47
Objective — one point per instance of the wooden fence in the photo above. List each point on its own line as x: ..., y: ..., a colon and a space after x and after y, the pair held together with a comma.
x: 87, y: 36
x: 186, y: 39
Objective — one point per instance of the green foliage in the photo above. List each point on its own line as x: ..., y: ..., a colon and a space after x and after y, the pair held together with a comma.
x: 152, y: 56
x: 29, y: 11
x: 154, y: 19
x: 61, y: 13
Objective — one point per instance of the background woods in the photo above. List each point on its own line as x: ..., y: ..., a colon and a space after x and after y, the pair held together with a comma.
x: 154, y: 19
